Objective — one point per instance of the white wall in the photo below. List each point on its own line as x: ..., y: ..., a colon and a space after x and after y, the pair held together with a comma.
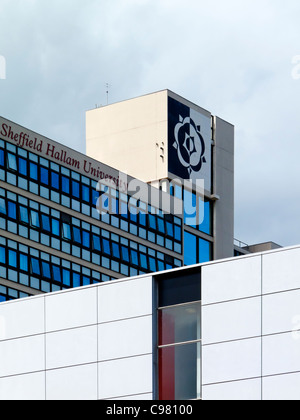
x: 251, y: 323
x: 92, y: 343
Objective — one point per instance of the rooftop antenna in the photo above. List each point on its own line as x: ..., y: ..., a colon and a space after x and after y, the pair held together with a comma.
x: 107, y: 91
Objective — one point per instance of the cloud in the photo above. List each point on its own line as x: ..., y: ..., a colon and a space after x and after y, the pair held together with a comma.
x: 233, y: 58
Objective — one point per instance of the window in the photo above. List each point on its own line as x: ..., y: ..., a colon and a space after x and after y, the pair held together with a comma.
x: 67, y: 231
x: 55, y: 180
x: 12, y: 162
x: 2, y: 255
x: 12, y: 210
x: 76, y: 235
x: 35, y: 266
x: 44, y: 173
x: 24, y: 262
x: 65, y: 185
x: 75, y: 189
x: 46, y: 270
x: 56, y: 273
x: 24, y: 215
x: 179, y: 332
x: 33, y: 171
x: 35, y: 219
x: 22, y: 166
x: 96, y: 243
x: 45, y: 223
x: 2, y: 206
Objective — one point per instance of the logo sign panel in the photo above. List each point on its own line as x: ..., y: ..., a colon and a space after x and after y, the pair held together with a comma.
x: 189, y: 143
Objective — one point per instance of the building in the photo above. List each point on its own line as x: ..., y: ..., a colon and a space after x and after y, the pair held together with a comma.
x: 69, y: 220
x: 226, y: 329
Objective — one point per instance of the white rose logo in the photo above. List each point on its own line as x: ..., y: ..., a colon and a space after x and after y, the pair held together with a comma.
x: 189, y: 144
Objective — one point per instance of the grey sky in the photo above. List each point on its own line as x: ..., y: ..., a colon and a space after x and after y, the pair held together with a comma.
x: 231, y: 57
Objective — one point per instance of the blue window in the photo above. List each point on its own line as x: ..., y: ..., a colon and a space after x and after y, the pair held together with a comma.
x: 55, y: 180
x: 142, y: 218
x: 116, y: 250
x: 125, y: 254
x: 55, y: 227
x: 161, y: 225
x: 75, y: 189
x: 12, y: 210
x: 35, y: 266
x: 46, y: 270
x: 204, y: 251
x: 152, y: 222
x: 76, y: 234
x: 2, y: 255
x: 56, y: 273
x: 44, y: 176
x: 152, y: 264
x: 12, y: 259
x: 65, y: 185
x: 24, y: 215
x: 2, y: 206
x: 85, y: 193
x: 96, y: 243
x: 190, y: 249
x: 76, y: 280
x: 205, y: 216
x: 144, y: 261
x: 12, y: 162
x: 134, y: 257
x: 67, y: 231
x: 46, y: 223
x: 35, y: 219
x: 95, y: 197
x: 177, y: 233
x: 22, y: 166
x: 24, y: 262
x: 86, y: 239
x: 33, y: 171
x: 86, y: 281
x: 170, y: 229
x: 1, y: 157
x: 106, y: 246
x: 66, y: 277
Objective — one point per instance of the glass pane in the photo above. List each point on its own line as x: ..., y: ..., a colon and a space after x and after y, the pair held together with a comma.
x: 22, y: 167
x: 12, y: 162
x: 35, y: 266
x: 2, y: 206
x: 96, y: 243
x: 33, y: 171
x: 66, y: 231
x: 24, y: 215
x: 55, y: 180
x: 180, y: 372
x: 65, y: 185
x: 35, y: 220
x: 45, y: 223
x: 2, y: 255
x: 76, y: 234
x: 44, y: 176
x: 179, y: 324
x: 12, y: 210
x: 204, y: 251
x: 205, y: 216
x: 190, y: 249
